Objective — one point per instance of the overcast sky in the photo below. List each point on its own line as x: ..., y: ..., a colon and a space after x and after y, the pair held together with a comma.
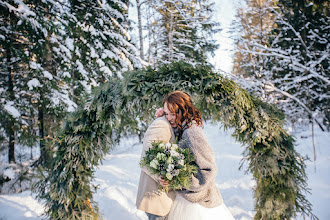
x: 224, y: 14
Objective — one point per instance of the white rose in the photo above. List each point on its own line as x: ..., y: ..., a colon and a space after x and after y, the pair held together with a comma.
x: 181, y: 162
x: 161, y: 145
x: 170, y: 168
x: 168, y: 145
x: 154, y: 164
x: 175, y: 146
x: 169, y: 176
x: 160, y: 156
x: 174, y: 153
x: 169, y: 160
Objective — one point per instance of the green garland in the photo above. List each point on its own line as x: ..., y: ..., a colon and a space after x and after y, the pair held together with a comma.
x: 118, y: 108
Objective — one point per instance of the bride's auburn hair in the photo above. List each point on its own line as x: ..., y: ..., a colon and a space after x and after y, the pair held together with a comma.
x: 180, y: 101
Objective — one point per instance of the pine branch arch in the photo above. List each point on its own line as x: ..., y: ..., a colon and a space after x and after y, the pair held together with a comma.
x: 116, y: 109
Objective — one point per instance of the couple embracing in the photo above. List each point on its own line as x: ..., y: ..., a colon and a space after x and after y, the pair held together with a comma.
x: 180, y: 120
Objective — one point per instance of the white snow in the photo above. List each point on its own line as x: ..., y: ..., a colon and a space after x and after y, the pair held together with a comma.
x: 67, y: 74
x: 107, y: 53
x: 66, y: 51
x: 33, y: 83
x: 22, y: 8
x: 81, y: 69
x: 100, y: 62
x: 12, y: 110
x: 9, y: 173
x: 69, y: 44
x: 118, y: 178
x: 93, y: 53
x: 106, y: 70
x: 47, y: 75
x: 63, y: 96
x: 34, y: 65
x: 20, y: 206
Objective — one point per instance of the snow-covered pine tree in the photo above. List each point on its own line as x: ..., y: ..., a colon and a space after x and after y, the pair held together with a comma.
x: 300, y: 57
x: 94, y: 46
x: 17, y: 27
x: 10, y: 53
x: 183, y: 31
x: 40, y: 94
x: 255, y: 24
x: 97, y: 42
x: 53, y: 52
x: 294, y: 55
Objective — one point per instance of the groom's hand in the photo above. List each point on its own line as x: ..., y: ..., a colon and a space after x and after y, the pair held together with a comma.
x: 159, y: 113
x: 163, y: 182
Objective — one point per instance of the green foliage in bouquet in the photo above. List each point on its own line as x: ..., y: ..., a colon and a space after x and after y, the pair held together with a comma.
x: 171, y: 163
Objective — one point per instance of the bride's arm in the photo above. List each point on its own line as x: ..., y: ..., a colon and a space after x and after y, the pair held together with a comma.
x: 195, y: 140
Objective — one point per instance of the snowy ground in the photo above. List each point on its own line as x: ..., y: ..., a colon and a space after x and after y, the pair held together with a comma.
x: 118, y: 179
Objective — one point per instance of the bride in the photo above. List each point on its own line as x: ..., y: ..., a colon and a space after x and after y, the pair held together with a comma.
x: 203, y: 200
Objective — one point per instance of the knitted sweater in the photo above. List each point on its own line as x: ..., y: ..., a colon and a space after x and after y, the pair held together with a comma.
x: 203, y: 190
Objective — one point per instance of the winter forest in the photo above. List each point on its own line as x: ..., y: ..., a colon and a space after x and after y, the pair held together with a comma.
x: 81, y: 81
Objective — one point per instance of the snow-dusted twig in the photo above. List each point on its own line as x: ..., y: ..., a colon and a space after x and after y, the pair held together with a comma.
x: 292, y: 62
x: 270, y: 87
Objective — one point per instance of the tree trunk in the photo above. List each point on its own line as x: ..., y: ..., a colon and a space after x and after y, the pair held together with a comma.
x: 170, y: 43
x: 138, y: 6
x: 41, y: 129
x: 11, y: 120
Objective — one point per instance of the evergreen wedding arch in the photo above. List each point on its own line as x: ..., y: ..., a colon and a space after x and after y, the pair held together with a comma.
x: 118, y: 108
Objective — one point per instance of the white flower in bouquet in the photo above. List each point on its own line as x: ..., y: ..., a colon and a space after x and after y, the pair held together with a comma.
x: 169, y: 176
x: 175, y: 172
x: 169, y: 160
x: 171, y: 163
x: 161, y: 156
x: 154, y: 163
x: 174, y: 153
x: 162, y: 145
x: 170, y: 168
x: 174, y: 147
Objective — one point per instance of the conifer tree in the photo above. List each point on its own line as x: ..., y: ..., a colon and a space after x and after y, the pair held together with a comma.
x: 294, y: 54
x: 303, y: 37
x: 180, y: 30
x: 53, y: 54
x: 255, y: 24
x: 23, y: 44
x: 97, y: 41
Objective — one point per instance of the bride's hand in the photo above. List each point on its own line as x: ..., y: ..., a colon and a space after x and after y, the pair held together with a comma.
x: 163, y: 182
x: 159, y: 113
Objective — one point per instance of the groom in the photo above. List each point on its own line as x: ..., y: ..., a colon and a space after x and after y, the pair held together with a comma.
x: 149, y: 199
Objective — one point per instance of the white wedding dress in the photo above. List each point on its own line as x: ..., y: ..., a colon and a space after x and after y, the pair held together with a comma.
x: 182, y: 209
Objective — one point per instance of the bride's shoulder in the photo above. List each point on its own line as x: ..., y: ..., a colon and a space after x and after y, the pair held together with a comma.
x: 194, y: 130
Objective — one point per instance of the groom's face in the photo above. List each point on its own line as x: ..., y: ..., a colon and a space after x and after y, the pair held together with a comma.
x: 170, y: 116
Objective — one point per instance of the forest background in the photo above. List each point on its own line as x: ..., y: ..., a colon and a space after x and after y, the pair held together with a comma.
x: 54, y: 53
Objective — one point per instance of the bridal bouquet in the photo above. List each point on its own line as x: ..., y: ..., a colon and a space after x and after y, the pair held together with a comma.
x: 173, y: 164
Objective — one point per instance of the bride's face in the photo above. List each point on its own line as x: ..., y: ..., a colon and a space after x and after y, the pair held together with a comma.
x: 170, y: 116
